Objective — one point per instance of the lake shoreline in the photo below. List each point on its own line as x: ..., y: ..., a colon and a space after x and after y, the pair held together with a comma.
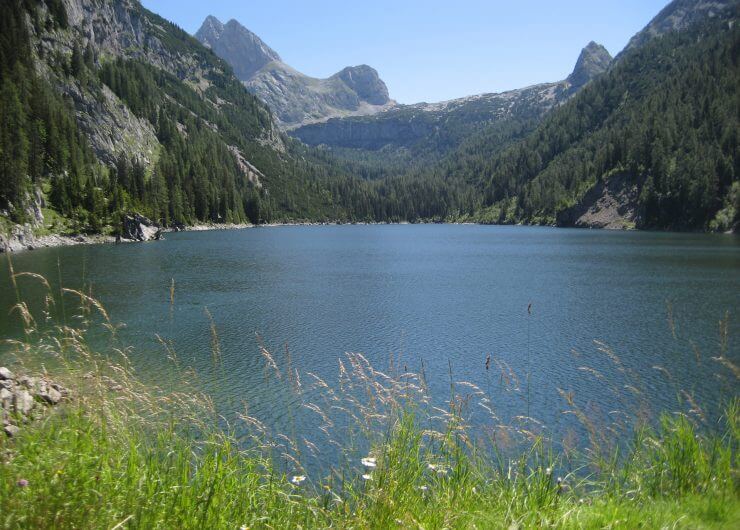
x: 22, y: 238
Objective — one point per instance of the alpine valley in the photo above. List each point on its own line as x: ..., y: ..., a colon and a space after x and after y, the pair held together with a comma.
x: 377, y: 344
x: 110, y: 113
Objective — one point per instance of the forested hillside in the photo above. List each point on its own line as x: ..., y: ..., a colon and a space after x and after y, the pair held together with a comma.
x: 108, y: 109
x: 665, y: 117
x: 144, y: 118
x: 38, y: 133
x: 178, y: 162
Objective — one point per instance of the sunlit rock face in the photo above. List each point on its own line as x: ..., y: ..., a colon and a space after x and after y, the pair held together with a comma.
x: 295, y: 98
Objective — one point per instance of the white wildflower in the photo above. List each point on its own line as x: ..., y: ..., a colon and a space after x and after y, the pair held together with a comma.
x: 297, y: 479
x: 369, y: 462
x: 439, y: 470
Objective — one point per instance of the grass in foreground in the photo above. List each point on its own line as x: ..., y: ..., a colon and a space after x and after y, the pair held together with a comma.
x: 121, y: 454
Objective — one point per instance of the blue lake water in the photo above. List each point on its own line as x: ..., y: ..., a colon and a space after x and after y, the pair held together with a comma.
x: 444, y: 295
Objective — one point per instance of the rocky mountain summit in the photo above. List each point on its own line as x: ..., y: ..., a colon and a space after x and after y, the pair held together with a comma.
x: 366, y: 83
x: 242, y: 49
x: 294, y: 97
x: 593, y: 61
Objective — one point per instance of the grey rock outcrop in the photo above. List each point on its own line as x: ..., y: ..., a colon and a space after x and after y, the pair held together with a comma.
x: 593, y: 61
x: 139, y: 228
x: 392, y: 128
x: 110, y: 125
x: 49, y: 394
x: 20, y: 237
x: 366, y: 83
x: 294, y: 97
x: 11, y: 430
x: 22, y: 398
x: 22, y: 402
x: 612, y: 203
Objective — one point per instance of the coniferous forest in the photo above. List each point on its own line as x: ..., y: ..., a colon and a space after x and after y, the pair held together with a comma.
x: 664, y: 118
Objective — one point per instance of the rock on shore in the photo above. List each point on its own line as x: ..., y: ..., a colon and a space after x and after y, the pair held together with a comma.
x: 136, y: 227
x: 23, y: 398
x: 22, y: 237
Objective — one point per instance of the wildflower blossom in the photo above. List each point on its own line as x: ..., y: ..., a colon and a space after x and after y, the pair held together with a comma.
x: 22, y: 483
x: 369, y: 462
x: 297, y: 479
x: 440, y: 470
x: 367, y: 476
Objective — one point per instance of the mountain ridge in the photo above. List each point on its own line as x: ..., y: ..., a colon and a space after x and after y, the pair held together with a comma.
x: 442, y: 126
x: 295, y: 98
x: 680, y: 14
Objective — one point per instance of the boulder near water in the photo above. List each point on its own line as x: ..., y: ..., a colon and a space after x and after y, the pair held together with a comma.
x: 23, y: 398
x: 136, y: 227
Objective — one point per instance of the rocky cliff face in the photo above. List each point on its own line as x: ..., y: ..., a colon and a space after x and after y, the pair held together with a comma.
x: 611, y: 203
x: 445, y: 125
x: 114, y: 29
x: 294, y: 97
x: 123, y: 29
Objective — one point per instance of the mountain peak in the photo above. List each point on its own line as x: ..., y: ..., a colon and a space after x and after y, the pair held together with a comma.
x: 241, y: 48
x: 211, y: 28
x: 210, y: 19
x: 294, y: 97
x: 366, y: 83
x: 593, y: 61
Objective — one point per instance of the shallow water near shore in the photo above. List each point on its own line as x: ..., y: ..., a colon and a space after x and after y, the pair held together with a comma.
x: 441, y: 297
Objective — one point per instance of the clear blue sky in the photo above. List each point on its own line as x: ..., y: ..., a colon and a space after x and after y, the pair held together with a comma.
x: 429, y: 50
